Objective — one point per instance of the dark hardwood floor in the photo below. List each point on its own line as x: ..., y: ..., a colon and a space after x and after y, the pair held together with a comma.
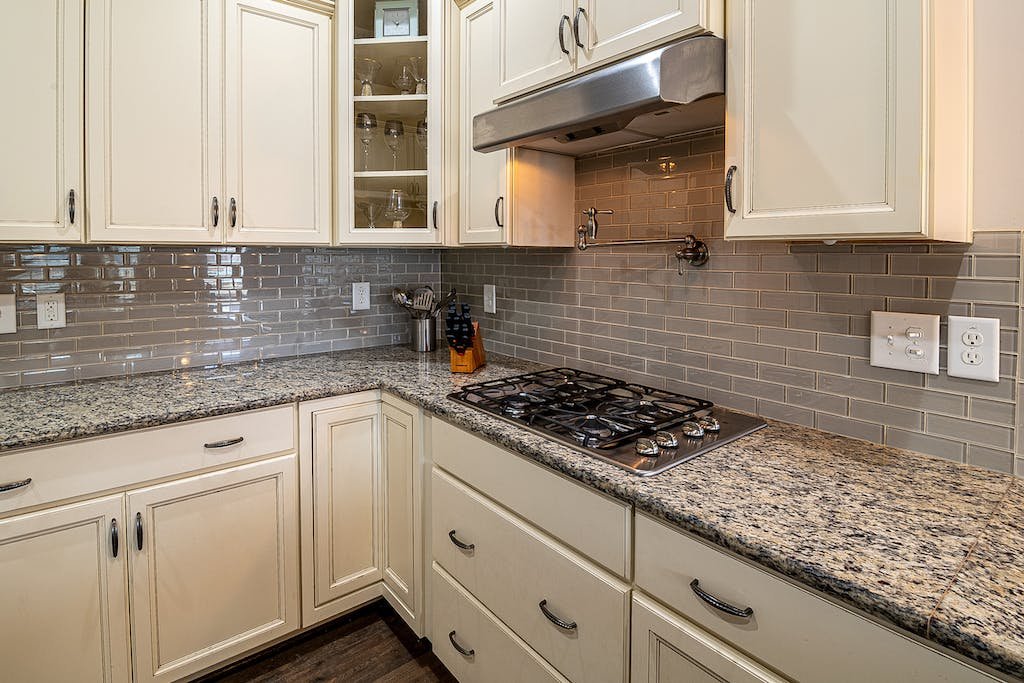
x: 372, y: 644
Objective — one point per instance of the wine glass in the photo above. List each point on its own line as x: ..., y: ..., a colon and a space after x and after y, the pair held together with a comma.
x: 419, y: 73
x: 421, y: 138
x: 371, y: 210
x: 366, y: 71
x: 366, y: 126
x: 394, y: 131
x: 404, y: 79
x: 397, y: 207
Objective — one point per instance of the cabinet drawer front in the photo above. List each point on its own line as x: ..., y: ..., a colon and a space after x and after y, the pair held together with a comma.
x: 491, y: 651
x: 512, y: 569
x: 109, y: 463
x: 539, y: 495
x: 793, y: 630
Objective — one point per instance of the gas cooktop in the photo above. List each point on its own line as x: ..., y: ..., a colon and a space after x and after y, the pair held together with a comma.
x: 641, y: 429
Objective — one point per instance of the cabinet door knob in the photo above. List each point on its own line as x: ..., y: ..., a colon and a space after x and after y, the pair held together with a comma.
x: 728, y: 189
x: 580, y: 12
x: 498, y: 205
x: 719, y: 604
x: 12, y: 485
x: 561, y: 33
x: 560, y: 623
x: 461, y: 650
x: 138, y: 530
x: 115, y: 542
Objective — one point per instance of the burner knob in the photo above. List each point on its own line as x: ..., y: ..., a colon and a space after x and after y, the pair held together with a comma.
x: 646, y: 448
x: 710, y: 423
x: 666, y: 439
x: 693, y: 430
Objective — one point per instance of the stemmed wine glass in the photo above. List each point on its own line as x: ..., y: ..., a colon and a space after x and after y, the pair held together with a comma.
x: 421, y: 137
x: 419, y: 73
x: 366, y: 125
x: 404, y: 79
x: 366, y: 71
x: 397, y: 208
x: 394, y: 131
x: 371, y: 210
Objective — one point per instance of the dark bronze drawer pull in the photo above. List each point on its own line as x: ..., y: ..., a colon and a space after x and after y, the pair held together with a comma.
x: 462, y: 651
x: 225, y: 443
x: 138, y: 530
x: 458, y: 543
x: 115, y: 541
x: 722, y: 606
x: 567, y: 625
x: 11, y: 485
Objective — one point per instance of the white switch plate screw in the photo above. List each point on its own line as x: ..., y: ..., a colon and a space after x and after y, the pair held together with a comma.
x: 50, y: 311
x: 905, y: 341
x: 490, y: 299
x: 973, y: 348
x: 8, y: 314
x: 360, y: 296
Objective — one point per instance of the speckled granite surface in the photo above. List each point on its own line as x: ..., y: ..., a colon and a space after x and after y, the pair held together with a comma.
x: 923, y: 543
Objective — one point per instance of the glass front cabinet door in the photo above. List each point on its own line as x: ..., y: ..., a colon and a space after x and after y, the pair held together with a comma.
x: 389, y: 122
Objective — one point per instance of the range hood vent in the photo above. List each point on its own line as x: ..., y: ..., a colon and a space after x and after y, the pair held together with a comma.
x: 673, y: 89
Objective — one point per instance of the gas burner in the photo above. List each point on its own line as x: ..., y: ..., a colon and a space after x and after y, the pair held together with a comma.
x: 517, y: 404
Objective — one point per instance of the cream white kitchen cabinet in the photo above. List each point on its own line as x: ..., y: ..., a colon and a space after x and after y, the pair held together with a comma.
x: 208, y: 122
x: 42, y: 64
x: 848, y: 120
x: 64, y: 603
x: 510, y: 197
x: 544, y: 41
x: 278, y: 113
x: 214, y: 562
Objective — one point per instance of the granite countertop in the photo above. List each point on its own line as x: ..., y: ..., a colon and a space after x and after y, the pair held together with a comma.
x: 931, y: 546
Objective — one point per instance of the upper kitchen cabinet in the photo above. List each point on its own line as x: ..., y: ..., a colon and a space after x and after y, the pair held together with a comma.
x: 510, y: 197
x: 848, y: 120
x: 208, y: 122
x: 543, y: 41
x: 41, y: 76
x: 388, y: 154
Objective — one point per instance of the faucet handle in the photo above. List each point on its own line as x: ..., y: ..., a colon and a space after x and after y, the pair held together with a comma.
x: 592, y: 214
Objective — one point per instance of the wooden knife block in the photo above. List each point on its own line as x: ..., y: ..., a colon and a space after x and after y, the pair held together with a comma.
x: 473, y: 357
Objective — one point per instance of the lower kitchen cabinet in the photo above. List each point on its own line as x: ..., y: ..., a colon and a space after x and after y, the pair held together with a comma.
x: 63, y: 602
x: 214, y: 563
x: 668, y: 649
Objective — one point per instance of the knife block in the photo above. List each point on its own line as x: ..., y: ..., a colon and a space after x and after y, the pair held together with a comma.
x: 473, y: 357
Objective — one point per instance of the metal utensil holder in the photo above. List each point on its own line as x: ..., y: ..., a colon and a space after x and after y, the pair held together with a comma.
x: 423, y: 334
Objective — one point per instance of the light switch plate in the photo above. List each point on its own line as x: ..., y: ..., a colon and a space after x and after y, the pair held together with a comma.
x: 8, y: 314
x: 50, y: 311
x: 972, y: 349
x: 360, y: 296
x: 905, y: 341
x: 490, y: 299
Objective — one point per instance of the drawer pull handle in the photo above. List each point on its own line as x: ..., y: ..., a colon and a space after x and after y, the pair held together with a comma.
x: 458, y: 543
x: 567, y: 625
x: 728, y: 189
x: 115, y: 541
x: 138, y: 530
x: 462, y: 651
x: 225, y: 443
x: 11, y: 485
x: 721, y: 605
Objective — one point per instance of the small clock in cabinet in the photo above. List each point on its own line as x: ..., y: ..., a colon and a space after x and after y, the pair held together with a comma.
x: 396, y: 19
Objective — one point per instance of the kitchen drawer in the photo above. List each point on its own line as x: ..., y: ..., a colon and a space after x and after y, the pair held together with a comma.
x: 495, y: 653
x: 512, y: 568
x: 598, y: 526
x: 108, y: 463
x: 793, y: 630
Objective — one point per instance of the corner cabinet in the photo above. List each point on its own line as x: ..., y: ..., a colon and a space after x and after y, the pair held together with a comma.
x: 388, y: 84
x: 208, y: 122
x: 848, y: 120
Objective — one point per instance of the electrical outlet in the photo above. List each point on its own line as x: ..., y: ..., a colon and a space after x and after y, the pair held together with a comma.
x: 973, y: 348
x: 50, y: 311
x: 490, y: 299
x: 905, y: 341
x: 8, y: 314
x: 360, y: 296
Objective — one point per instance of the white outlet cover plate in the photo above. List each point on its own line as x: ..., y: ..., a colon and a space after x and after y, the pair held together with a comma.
x: 490, y: 299
x: 50, y: 302
x: 892, y: 346
x: 360, y: 296
x: 963, y: 338
x: 8, y: 314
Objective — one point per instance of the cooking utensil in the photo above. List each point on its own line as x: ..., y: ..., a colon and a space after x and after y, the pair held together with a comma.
x: 423, y: 298
x: 401, y: 298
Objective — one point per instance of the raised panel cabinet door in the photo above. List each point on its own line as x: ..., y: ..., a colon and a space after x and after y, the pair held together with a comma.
x: 154, y: 121
x: 64, y: 598
x: 278, y: 113
x: 214, y: 566
x: 401, y: 447
x: 482, y: 189
x: 346, y: 485
x: 535, y: 44
x: 611, y: 28
x: 669, y: 649
x: 824, y: 119
x: 41, y: 76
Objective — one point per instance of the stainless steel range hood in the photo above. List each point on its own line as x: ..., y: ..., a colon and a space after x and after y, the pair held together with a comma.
x: 673, y: 89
